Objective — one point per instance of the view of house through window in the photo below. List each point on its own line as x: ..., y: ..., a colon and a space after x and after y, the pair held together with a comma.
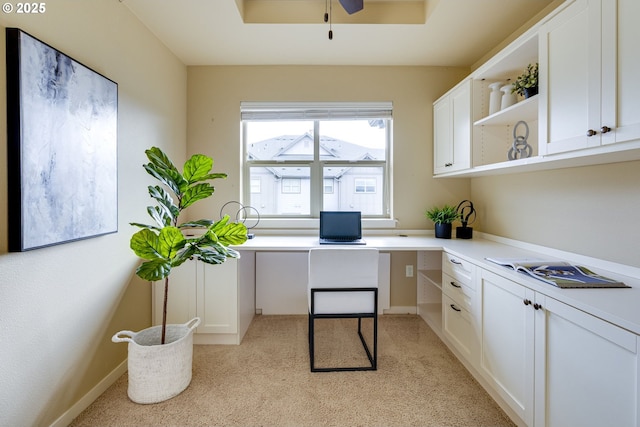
x: 296, y: 167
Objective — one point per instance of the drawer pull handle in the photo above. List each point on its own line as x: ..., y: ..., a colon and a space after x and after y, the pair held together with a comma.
x: 454, y: 307
x: 455, y: 285
x: 453, y: 261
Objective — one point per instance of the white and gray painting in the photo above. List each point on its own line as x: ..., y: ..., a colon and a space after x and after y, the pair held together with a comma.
x: 68, y: 148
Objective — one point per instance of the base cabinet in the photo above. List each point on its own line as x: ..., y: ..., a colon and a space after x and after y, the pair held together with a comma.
x: 222, y: 295
x: 554, y: 365
x: 586, y: 369
x: 507, y: 342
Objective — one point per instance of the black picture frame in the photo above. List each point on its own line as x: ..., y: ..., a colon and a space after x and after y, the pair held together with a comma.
x: 62, y: 137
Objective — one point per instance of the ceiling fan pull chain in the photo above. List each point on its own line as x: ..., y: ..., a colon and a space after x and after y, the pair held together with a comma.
x: 330, y: 20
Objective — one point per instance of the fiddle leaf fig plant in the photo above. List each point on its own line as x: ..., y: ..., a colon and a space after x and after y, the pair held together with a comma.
x: 163, y: 244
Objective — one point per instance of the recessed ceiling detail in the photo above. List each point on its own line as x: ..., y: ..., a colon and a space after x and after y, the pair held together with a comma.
x: 312, y: 12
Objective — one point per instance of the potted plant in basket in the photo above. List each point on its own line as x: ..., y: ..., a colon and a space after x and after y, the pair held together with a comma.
x: 526, y: 84
x: 160, y: 357
x: 443, y: 217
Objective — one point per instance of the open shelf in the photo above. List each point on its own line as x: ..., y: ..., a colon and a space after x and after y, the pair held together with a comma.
x: 526, y: 110
x: 431, y: 313
x: 432, y: 276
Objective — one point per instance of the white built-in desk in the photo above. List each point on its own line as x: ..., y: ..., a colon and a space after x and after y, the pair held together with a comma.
x: 618, y: 306
x: 538, y: 350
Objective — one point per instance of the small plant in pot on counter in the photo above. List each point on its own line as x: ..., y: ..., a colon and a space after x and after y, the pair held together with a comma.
x: 443, y: 217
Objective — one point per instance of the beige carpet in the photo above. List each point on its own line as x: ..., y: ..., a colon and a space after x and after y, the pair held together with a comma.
x: 266, y: 381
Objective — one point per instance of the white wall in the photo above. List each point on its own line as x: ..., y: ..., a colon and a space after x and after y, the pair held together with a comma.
x: 59, y: 306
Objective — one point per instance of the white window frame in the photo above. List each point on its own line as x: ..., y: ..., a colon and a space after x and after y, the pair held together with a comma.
x: 252, y: 111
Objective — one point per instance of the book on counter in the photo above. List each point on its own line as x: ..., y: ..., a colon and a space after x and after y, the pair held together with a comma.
x: 559, y: 273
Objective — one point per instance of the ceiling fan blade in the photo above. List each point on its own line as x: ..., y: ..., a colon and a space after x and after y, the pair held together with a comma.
x: 352, y: 6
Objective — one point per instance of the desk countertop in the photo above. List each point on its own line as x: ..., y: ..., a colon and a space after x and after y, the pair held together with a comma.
x: 617, y: 306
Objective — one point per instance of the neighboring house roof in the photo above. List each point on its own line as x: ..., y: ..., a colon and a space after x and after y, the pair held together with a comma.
x: 300, y: 147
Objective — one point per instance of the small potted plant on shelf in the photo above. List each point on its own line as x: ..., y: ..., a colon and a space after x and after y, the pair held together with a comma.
x: 527, y: 83
x: 443, y: 217
x: 160, y: 357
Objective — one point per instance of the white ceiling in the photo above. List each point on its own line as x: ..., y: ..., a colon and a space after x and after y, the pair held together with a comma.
x: 212, y: 32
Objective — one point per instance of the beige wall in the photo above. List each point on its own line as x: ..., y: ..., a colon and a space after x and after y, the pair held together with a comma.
x: 60, y: 306
x: 590, y: 210
x: 214, y: 100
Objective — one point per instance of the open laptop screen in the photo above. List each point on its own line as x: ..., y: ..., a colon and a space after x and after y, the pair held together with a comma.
x: 340, y: 225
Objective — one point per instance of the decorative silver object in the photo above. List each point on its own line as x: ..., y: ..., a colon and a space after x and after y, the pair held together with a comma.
x: 520, y: 148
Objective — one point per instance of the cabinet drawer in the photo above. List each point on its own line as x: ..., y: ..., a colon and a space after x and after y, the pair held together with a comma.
x: 461, y: 270
x: 458, y: 327
x: 461, y: 294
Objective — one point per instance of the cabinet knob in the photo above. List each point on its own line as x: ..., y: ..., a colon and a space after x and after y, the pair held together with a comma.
x: 605, y: 129
x: 526, y: 301
x: 537, y: 306
x: 591, y: 132
x: 446, y: 165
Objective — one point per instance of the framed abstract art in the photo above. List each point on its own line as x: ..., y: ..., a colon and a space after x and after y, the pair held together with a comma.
x: 62, y: 127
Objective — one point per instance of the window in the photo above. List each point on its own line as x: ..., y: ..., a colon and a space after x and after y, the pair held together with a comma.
x: 365, y: 185
x: 300, y: 159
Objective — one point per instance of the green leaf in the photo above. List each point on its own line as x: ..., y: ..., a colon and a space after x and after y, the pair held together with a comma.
x: 197, y: 167
x: 159, y: 215
x: 201, y: 223
x: 140, y: 225
x: 233, y: 233
x: 146, y: 244
x: 154, y: 270
x: 157, y: 157
x: 162, y: 176
x: 163, y: 198
x: 171, y: 240
x: 195, y: 193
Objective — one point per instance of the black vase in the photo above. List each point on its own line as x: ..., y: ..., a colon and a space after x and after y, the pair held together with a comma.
x: 530, y: 91
x: 443, y: 231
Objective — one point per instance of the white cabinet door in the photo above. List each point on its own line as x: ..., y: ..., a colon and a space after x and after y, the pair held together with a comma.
x: 217, y: 297
x: 570, y: 76
x: 621, y: 68
x: 507, y: 342
x: 589, y: 65
x: 181, y: 304
x: 442, y: 143
x: 586, y: 369
x: 452, y: 130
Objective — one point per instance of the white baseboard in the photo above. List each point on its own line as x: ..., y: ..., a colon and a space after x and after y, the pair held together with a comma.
x: 397, y: 309
x: 82, y: 404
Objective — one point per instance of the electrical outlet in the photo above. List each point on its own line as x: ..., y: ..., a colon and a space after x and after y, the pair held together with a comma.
x: 409, y: 270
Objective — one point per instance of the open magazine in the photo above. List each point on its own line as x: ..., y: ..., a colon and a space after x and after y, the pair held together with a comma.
x: 559, y: 273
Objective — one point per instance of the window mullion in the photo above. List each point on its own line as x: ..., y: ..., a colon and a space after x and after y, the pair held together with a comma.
x: 316, y: 173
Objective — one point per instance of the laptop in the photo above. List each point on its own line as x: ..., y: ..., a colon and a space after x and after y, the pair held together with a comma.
x: 341, y: 228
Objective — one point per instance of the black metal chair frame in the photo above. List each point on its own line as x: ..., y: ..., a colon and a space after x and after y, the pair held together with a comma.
x: 373, y: 357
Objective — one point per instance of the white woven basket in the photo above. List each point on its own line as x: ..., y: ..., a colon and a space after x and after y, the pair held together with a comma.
x: 158, y: 372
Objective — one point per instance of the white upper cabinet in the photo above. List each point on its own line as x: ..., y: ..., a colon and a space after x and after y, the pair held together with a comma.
x: 452, y: 130
x: 588, y: 107
x: 588, y: 60
x: 621, y: 91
